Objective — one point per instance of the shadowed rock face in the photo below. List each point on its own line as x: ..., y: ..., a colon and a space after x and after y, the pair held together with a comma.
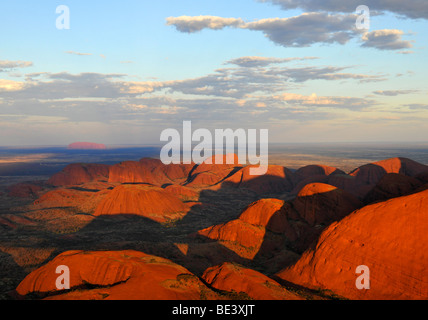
x: 389, y: 237
x: 231, y: 277
x: 319, y: 203
x: 116, y: 275
x: 269, y: 224
x: 392, y: 185
x: 250, y: 229
x: 276, y: 180
x: 314, y: 174
x: 316, y: 170
x: 143, y: 200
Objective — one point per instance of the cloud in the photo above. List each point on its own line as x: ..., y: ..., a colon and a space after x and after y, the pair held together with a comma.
x: 195, y: 24
x: 65, y: 85
x: 314, y: 100
x: 393, y: 93
x: 134, y: 87
x: 10, y: 85
x: 251, y: 62
x: 329, y: 73
x: 413, y: 9
x: 6, y: 65
x: 78, y: 53
x: 405, y: 52
x: 300, y: 31
x: 307, y: 29
x: 387, y: 39
x: 417, y: 106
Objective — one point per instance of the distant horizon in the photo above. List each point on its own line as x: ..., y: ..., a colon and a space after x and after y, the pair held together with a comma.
x: 159, y: 144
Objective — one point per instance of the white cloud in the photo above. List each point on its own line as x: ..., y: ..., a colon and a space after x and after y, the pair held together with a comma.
x: 10, y: 85
x: 6, y: 65
x: 194, y: 24
x: 250, y: 62
x: 78, y: 53
x: 307, y: 29
x: 386, y: 39
x: 393, y: 93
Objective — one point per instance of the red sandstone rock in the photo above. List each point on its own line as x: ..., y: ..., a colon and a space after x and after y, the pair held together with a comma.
x: 246, y: 282
x: 248, y: 235
x: 143, y: 200
x: 388, y: 237
x: 213, y: 171
x: 372, y: 173
x: 183, y: 193
x: 125, y: 275
x: 151, y: 171
x: 266, y: 225
x: 363, y: 179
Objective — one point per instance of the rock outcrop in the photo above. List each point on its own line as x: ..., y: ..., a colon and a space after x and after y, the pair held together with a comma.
x: 246, y: 283
x: 388, y: 237
x: 116, y: 275
x: 143, y: 200
x: 213, y: 171
x: 151, y: 171
x: 247, y: 234
x: 271, y: 224
x: 319, y: 203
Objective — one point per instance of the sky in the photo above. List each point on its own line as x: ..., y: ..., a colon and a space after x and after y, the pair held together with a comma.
x: 125, y: 71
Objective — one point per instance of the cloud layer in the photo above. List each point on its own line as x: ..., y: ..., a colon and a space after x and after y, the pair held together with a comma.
x: 413, y: 9
x: 304, y: 30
